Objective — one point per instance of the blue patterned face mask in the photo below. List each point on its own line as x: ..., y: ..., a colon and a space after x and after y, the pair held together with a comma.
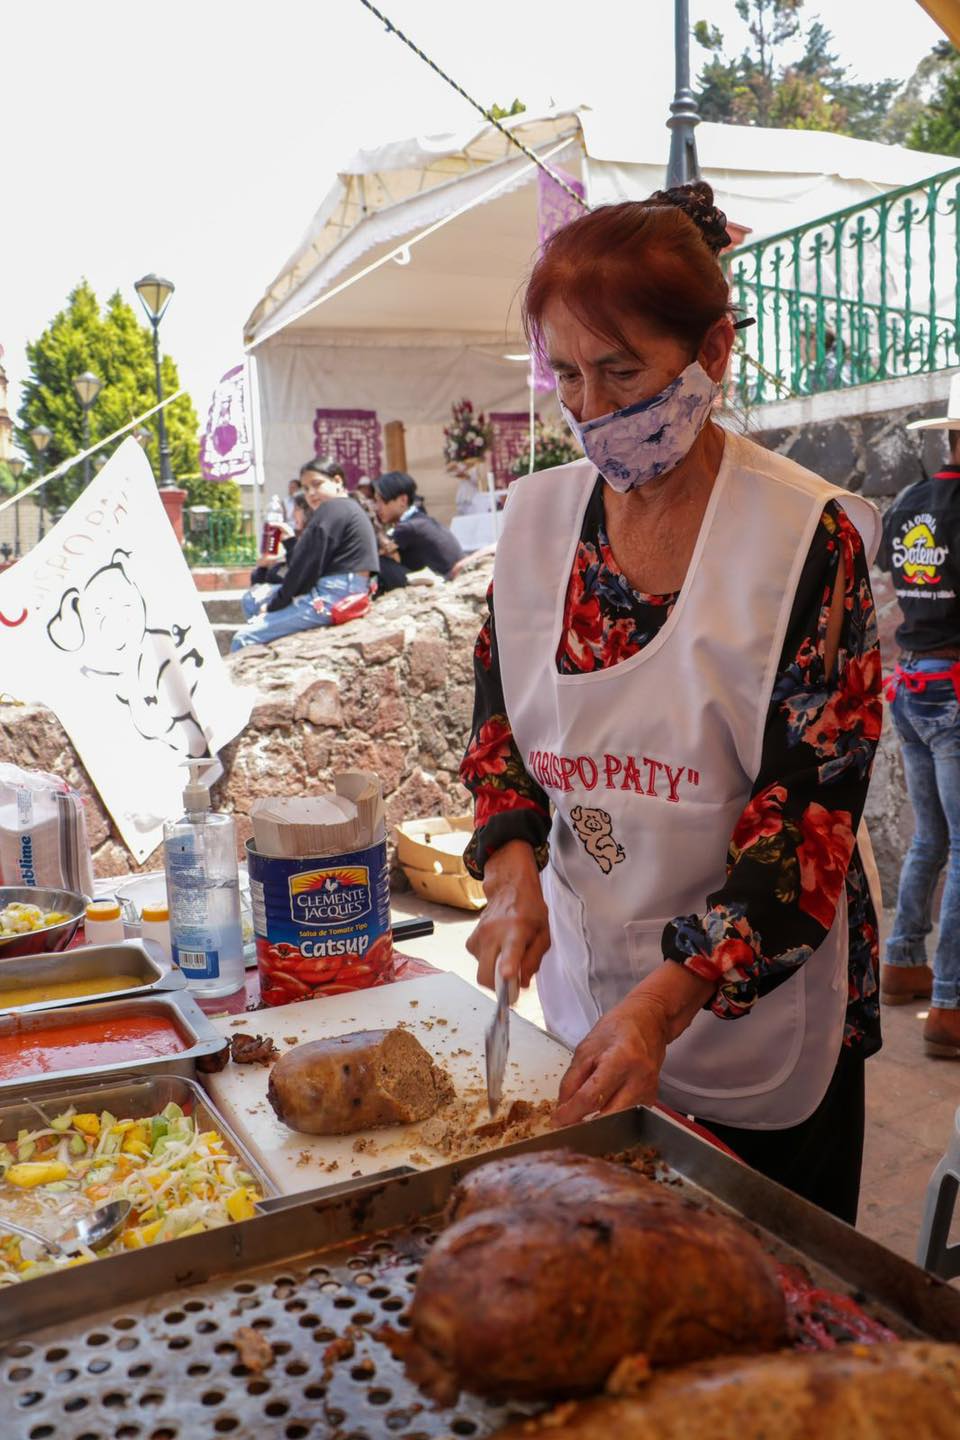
x: 633, y: 446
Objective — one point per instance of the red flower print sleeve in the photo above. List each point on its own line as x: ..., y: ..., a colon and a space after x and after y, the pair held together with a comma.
x: 508, y: 803
x: 793, y: 851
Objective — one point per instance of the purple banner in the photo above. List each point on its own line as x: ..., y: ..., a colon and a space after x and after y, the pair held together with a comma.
x: 555, y: 208
x: 226, y: 450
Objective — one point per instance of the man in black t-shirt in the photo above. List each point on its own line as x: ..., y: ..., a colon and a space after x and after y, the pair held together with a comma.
x: 921, y: 550
x: 335, y: 558
x: 423, y: 543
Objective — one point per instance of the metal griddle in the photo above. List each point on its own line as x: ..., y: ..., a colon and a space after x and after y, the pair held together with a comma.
x: 161, y: 1360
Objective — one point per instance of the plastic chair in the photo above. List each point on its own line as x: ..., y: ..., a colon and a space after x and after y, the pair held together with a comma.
x: 933, y: 1251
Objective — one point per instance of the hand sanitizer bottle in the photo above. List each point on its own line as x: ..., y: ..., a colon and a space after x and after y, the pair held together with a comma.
x: 203, y: 890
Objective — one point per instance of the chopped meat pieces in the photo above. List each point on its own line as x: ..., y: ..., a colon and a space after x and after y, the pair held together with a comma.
x: 254, y: 1350
x: 251, y: 1049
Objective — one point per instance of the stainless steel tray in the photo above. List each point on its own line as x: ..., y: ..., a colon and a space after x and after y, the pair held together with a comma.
x: 131, y: 1098
x: 339, y: 1267
x: 204, y: 1047
x: 127, y: 957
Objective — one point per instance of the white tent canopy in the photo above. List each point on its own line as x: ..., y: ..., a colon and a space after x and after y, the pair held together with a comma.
x: 371, y: 312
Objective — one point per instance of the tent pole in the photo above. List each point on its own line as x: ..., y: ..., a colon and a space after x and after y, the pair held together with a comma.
x: 533, y: 414
x: 253, y: 400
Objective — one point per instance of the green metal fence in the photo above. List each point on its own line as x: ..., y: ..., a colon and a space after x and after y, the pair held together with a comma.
x: 867, y: 293
x: 218, y: 537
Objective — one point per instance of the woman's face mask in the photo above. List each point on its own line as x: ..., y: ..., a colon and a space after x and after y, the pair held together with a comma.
x: 631, y: 447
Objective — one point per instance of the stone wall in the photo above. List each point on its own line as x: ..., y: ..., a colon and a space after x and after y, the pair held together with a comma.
x: 391, y: 692
x: 857, y: 438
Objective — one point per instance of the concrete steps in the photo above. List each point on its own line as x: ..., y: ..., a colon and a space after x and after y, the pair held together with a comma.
x: 225, y: 614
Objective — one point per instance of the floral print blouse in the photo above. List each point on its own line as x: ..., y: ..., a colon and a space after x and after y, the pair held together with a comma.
x: 794, y: 849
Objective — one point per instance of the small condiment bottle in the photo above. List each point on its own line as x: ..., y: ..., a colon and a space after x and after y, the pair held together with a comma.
x: 102, y: 923
x: 155, y: 929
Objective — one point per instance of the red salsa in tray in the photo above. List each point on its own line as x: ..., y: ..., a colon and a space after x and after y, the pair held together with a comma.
x: 85, y: 1043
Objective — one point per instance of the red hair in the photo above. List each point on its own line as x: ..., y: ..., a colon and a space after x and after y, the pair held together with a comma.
x: 646, y: 259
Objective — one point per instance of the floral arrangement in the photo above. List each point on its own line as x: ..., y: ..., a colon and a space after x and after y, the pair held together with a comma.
x: 468, y: 436
x: 553, y: 445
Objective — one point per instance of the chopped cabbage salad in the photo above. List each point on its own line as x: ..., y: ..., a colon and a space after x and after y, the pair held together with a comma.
x: 179, y: 1180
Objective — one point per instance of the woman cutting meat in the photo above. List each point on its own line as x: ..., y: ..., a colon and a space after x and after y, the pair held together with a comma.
x: 681, y: 659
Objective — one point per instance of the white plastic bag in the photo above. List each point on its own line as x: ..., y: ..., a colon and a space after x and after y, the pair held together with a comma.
x: 43, y: 832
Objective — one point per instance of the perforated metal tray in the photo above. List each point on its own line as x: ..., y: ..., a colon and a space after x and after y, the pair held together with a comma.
x: 163, y: 1360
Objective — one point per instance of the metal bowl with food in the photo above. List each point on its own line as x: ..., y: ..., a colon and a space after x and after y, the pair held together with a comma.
x: 35, y: 921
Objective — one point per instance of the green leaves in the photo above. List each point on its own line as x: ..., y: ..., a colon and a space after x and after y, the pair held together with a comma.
x: 116, y: 347
x: 757, y: 87
x: 937, y: 126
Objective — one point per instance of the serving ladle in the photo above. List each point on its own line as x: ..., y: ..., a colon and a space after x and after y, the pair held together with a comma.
x: 94, y: 1230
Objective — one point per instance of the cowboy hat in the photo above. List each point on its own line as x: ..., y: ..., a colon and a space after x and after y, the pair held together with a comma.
x: 950, y: 421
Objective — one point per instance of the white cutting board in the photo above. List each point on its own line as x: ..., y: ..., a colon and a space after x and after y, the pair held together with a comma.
x: 299, y: 1162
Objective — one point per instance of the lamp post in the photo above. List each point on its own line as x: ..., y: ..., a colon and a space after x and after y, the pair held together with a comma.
x: 683, y: 165
x: 87, y: 387
x: 155, y: 297
x: 15, y: 467
x: 41, y: 436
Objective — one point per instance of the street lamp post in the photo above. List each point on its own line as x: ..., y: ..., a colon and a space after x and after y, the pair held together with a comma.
x: 87, y: 387
x: 155, y: 297
x: 41, y: 436
x: 684, y: 116
x: 15, y: 467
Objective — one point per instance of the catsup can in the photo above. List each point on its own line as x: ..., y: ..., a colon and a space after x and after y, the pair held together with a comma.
x: 322, y: 924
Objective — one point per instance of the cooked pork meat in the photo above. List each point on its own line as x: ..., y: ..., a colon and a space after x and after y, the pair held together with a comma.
x: 572, y: 1264
x: 903, y: 1391
x: 355, y: 1082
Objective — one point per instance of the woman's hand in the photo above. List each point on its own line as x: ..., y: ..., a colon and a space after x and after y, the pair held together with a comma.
x: 515, y: 925
x: 618, y: 1064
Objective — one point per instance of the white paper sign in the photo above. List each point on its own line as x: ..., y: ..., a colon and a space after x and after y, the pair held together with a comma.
x: 101, y: 622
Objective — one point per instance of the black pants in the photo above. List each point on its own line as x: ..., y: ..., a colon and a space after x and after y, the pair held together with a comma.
x: 821, y: 1158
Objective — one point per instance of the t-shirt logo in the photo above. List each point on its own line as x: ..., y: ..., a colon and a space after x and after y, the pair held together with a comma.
x: 916, y: 553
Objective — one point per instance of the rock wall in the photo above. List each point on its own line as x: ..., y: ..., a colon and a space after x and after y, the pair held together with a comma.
x: 870, y: 453
x: 392, y: 692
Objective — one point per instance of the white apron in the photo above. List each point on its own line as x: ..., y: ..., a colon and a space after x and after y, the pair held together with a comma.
x: 650, y: 763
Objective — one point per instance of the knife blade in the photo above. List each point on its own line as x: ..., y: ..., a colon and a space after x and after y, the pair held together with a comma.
x: 497, y: 1038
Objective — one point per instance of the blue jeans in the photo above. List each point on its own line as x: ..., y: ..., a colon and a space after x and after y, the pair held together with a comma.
x: 252, y: 599
x: 306, y: 612
x: 928, y: 724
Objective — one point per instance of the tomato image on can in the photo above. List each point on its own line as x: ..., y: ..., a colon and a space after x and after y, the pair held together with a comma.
x: 322, y: 925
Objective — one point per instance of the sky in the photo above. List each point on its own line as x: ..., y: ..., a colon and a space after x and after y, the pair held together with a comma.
x: 196, y: 138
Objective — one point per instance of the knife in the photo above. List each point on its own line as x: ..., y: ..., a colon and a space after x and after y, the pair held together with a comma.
x: 497, y: 1037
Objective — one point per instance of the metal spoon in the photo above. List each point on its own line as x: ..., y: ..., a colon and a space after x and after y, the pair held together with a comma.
x: 94, y: 1230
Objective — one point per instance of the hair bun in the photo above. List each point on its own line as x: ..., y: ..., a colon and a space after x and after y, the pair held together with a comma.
x: 696, y: 201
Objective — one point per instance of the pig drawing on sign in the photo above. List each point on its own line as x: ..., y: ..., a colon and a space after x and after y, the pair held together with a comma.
x: 150, y: 670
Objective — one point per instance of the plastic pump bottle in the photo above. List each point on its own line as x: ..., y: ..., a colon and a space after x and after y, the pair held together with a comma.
x: 203, y: 890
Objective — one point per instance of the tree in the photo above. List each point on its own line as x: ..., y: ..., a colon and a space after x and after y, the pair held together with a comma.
x: 758, y: 87
x: 500, y: 112
x: 116, y: 347
x: 916, y: 97
x: 937, y: 126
